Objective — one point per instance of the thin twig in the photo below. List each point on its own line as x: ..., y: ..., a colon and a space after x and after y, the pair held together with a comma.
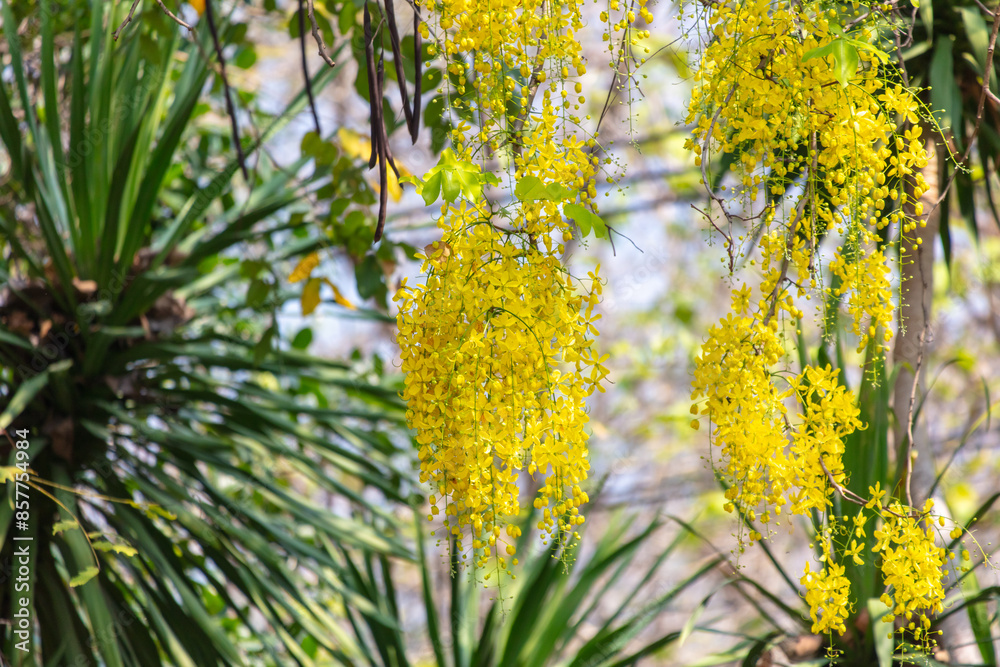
x: 705, y: 149
x: 800, y: 211
x: 711, y: 222
x: 128, y: 19
x: 210, y: 16
x: 852, y: 497
x: 902, y: 61
x: 317, y: 36
x: 912, y: 23
x: 707, y: 143
x: 609, y: 97
x: 844, y: 492
x: 855, y: 21
x: 173, y: 16
x: 522, y: 116
x: 305, y: 66
x: 913, y: 399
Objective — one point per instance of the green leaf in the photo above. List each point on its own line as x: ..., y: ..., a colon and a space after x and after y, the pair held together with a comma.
x: 13, y: 339
x: 944, y: 216
x: 84, y: 576
x: 884, y: 643
x: 979, y: 621
x: 122, y: 549
x: 757, y: 651
x: 470, y: 182
x: 927, y: 18
x: 878, y: 53
x: 246, y: 57
x: 264, y: 346
x: 845, y: 57
x: 451, y: 186
x: 302, y: 339
x: 24, y: 394
x: 946, y: 101
x: 257, y: 293
x: 559, y: 192
x: 437, y: 119
x: 866, y: 454
x: 323, y: 152
x: 60, y: 526
x: 371, y: 279
x: 431, y: 189
x: 250, y: 268
x: 531, y: 188
x: 586, y: 220
x: 450, y: 179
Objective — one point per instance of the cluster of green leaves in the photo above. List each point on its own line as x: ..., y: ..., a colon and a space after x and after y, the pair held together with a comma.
x: 452, y: 178
x: 179, y: 447
x: 844, y: 51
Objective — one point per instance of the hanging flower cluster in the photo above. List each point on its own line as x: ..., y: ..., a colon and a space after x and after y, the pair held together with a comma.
x: 821, y: 128
x: 497, y: 341
x: 772, y: 90
x: 911, y: 565
x: 827, y: 592
x: 497, y: 347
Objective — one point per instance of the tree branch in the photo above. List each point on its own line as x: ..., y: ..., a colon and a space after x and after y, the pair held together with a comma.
x: 305, y: 66
x: 210, y: 16
x: 317, y: 36
x: 128, y: 19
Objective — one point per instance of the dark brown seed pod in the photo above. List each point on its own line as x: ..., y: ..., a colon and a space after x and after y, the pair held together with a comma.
x: 375, y: 103
x: 418, y: 61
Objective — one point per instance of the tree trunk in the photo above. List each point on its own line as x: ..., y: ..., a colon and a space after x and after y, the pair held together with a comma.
x: 915, y: 335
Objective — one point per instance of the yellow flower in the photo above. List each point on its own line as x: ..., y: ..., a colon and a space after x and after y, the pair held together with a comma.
x: 853, y: 552
x: 834, y: 163
x: 875, y: 494
x: 496, y: 341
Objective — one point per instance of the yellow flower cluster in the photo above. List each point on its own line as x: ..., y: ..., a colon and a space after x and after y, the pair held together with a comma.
x: 911, y: 564
x: 498, y: 355
x: 770, y: 89
x: 866, y: 280
x: 818, y: 126
x: 497, y: 340
x: 817, y: 451
x: 767, y: 463
x: 733, y: 374
x: 826, y: 593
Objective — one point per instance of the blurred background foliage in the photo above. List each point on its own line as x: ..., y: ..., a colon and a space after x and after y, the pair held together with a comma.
x: 220, y: 469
